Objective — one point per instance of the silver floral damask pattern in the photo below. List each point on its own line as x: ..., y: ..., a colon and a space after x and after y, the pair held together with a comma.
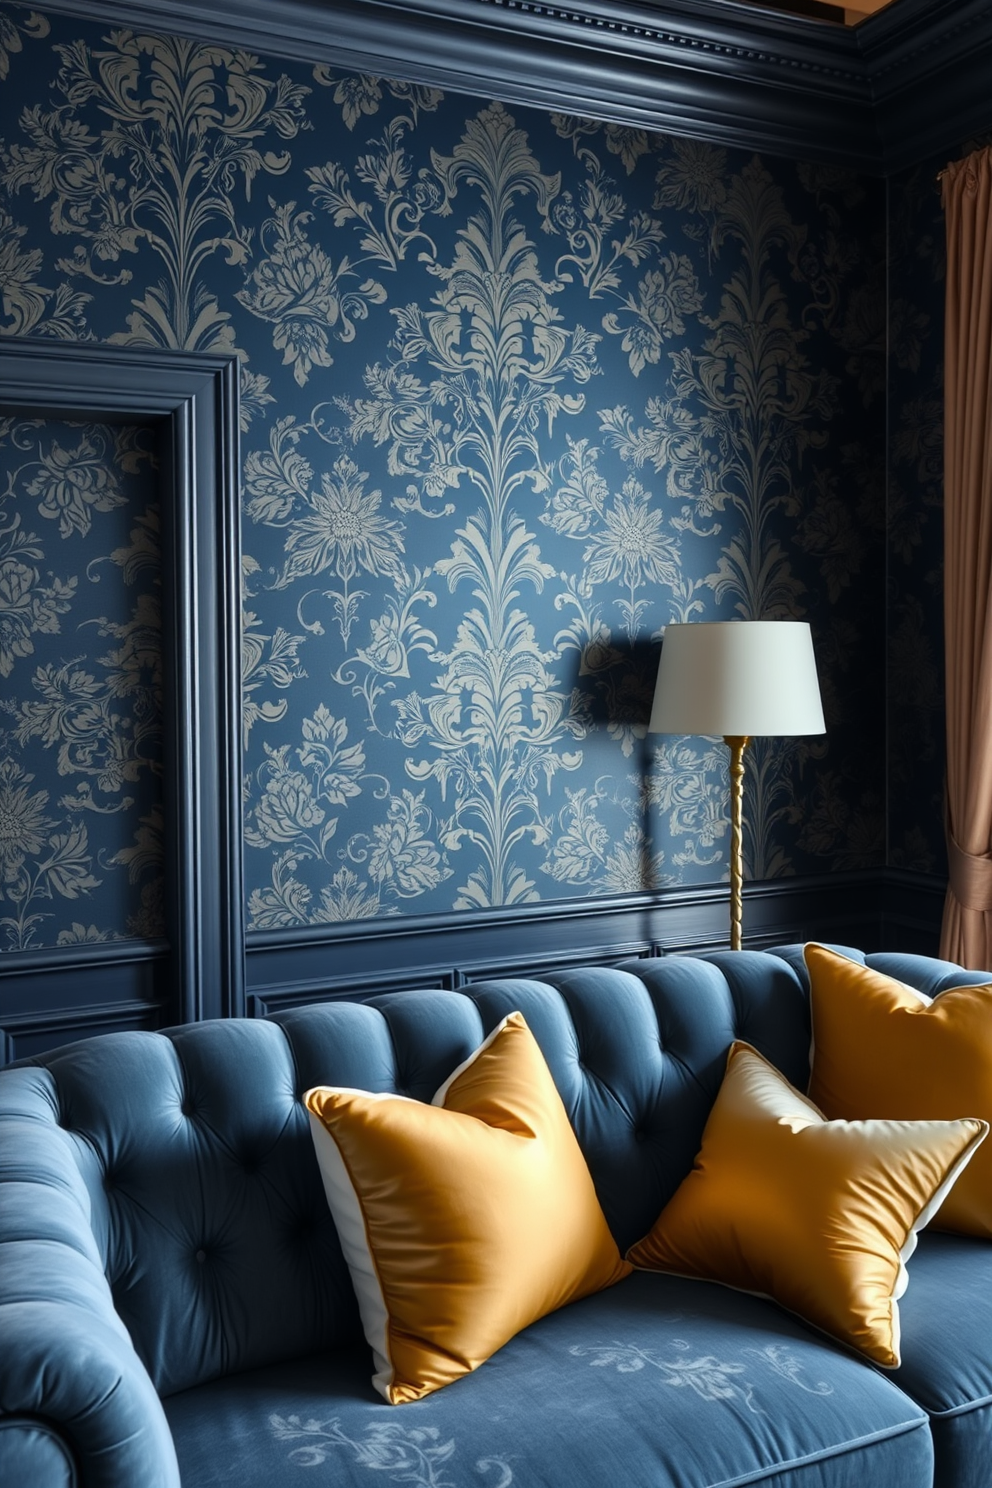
x: 518, y: 390
x: 81, y: 709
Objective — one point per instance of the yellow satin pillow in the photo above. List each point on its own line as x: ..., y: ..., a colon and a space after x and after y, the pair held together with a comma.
x: 820, y: 1215
x: 883, y: 1049
x: 464, y: 1220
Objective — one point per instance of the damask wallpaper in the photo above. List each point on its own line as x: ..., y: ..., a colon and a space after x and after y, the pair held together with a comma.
x: 81, y: 701
x: 518, y: 389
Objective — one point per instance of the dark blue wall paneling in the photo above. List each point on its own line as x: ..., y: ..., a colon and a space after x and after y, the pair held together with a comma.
x: 188, y: 408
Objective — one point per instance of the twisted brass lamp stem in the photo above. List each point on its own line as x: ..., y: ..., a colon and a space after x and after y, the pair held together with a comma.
x: 736, y: 743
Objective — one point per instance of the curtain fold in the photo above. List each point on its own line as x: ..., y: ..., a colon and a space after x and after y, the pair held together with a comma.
x: 966, y: 934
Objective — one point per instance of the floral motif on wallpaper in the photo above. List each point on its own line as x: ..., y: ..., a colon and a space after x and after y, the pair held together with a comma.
x: 518, y: 390
x: 81, y: 707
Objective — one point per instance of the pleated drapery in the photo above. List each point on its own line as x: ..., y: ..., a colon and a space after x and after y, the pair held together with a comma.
x: 966, y: 935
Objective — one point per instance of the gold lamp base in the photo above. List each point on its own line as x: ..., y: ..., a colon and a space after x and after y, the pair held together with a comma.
x: 736, y: 743
x: 739, y: 680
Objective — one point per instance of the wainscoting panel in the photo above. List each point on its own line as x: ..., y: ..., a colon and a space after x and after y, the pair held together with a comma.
x: 49, y: 998
x: 71, y: 992
x: 873, y: 911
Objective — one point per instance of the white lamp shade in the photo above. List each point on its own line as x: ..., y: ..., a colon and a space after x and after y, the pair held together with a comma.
x: 737, y: 677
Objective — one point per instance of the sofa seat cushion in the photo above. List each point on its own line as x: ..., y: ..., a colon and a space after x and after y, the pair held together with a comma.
x: 659, y: 1382
x: 946, y: 1361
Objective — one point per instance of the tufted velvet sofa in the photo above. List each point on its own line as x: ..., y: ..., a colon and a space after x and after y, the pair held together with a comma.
x: 174, y: 1306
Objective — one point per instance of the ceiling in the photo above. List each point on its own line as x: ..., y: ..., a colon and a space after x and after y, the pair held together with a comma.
x: 842, y: 15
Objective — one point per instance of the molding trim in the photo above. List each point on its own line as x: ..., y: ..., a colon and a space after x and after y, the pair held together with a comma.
x: 722, y: 72
x: 907, y: 82
x: 65, y: 961
x: 126, y: 984
x: 873, y: 910
x: 63, y: 993
x: 194, y: 398
x: 930, y: 63
x: 30, y: 1034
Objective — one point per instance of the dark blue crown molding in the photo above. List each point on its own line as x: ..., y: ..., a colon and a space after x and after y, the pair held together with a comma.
x: 930, y: 63
x: 194, y: 400
x: 909, y: 82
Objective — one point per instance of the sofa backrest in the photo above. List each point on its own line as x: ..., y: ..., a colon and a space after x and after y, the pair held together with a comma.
x: 205, y: 1198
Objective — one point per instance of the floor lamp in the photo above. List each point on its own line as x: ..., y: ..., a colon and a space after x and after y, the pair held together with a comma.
x: 738, y: 678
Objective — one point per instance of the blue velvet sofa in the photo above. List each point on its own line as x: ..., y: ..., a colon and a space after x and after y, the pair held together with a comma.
x: 174, y: 1307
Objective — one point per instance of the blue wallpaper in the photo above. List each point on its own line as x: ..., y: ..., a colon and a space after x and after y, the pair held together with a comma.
x: 81, y: 701
x: 518, y: 390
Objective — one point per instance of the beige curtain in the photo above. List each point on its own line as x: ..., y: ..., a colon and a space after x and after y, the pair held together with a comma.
x: 966, y: 935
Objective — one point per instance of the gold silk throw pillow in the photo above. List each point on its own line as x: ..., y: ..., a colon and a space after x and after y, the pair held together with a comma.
x: 820, y: 1215
x: 461, y: 1221
x: 881, y: 1049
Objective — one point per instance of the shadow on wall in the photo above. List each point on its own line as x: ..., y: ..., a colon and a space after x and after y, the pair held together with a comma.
x: 615, y: 678
x: 612, y: 685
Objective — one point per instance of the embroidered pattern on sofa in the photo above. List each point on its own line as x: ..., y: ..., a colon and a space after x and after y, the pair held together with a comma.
x: 711, y: 1378
x: 788, y: 1366
x: 415, y: 1456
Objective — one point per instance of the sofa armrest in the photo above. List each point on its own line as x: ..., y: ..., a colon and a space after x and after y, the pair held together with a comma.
x: 76, y: 1403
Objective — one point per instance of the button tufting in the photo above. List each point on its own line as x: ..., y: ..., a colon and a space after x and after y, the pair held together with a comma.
x: 201, y: 1256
